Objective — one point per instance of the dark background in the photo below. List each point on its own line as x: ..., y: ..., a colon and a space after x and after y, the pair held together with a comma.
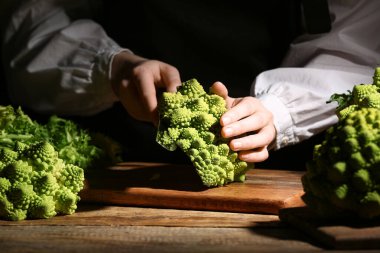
x: 273, y: 47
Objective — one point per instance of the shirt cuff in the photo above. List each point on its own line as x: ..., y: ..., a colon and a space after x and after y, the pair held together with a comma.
x: 282, y: 121
x: 113, y: 54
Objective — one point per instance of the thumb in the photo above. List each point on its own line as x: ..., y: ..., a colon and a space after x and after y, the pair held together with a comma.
x: 220, y: 89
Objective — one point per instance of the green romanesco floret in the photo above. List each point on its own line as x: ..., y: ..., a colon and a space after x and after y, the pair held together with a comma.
x: 371, y: 101
x: 74, y: 144
x: 15, y: 125
x: 347, y: 110
x: 344, y: 176
x: 7, y: 155
x: 361, y: 96
x: 189, y: 119
x: 16, y: 122
x: 35, y: 183
x: 361, y: 91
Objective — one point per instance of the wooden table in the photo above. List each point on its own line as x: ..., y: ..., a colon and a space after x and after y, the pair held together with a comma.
x: 101, y: 228
x: 163, y: 208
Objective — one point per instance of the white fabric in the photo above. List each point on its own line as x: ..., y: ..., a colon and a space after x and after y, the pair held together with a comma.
x: 318, y: 66
x: 61, y: 65
x: 58, y: 64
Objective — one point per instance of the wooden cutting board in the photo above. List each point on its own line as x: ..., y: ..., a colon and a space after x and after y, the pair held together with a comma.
x: 342, y: 235
x: 178, y: 186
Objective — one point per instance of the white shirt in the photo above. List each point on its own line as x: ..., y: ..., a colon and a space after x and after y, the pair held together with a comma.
x: 318, y: 66
x: 58, y: 64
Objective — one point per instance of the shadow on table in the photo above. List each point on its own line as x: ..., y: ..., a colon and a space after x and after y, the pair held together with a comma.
x: 146, y: 175
x: 281, y: 231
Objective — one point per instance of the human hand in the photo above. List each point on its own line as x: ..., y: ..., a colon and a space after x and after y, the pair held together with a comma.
x: 249, y: 123
x: 135, y: 81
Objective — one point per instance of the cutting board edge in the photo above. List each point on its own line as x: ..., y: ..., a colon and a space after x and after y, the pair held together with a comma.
x: 266, y: 191
x: 120, y: 198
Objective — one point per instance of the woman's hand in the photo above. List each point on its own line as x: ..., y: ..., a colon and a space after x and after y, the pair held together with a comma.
x: 135, y: 81
x: 249, y: 123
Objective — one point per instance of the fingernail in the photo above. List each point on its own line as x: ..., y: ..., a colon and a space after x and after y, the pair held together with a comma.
x: 237, y: 144
x: 228, y: 131
x: 226, y: 120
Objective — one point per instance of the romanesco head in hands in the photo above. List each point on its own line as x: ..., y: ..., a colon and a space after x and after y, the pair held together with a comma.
x: 189, y: 119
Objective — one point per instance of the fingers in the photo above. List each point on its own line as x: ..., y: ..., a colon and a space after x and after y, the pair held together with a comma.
x: 147, y: 94
x: 255, y: 140
x: 250, y: 126
x: 253, y: 148
x: 253, y: 156
x: 220, y: 89
x: 151, y: 75
x: 170, y: 78
x: 246, y: 116
x: 241, y: 108
x: 135, y: 81
x: 127, y: 96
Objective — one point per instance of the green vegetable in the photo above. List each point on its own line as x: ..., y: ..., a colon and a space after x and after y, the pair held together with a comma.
x: 74, y: 144
x: 35, y: 183
x: 42, y: 166
x: 189, y: 119
x: 343, y: 178
x: 361, y: 96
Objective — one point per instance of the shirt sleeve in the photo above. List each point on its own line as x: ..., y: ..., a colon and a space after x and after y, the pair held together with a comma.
x: 318, y: 66
x: 57, y: 58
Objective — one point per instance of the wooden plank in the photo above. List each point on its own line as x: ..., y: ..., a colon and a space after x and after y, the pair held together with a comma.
x: 144, y: 239
x: 342, y: 234
x: 100, y: 215
x: 179, y: 187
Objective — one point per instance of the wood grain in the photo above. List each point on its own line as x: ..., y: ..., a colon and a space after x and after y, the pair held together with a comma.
x: 342, y: 234
x: 99, y: 215
x: 144, y: 239
x: 178, y: 186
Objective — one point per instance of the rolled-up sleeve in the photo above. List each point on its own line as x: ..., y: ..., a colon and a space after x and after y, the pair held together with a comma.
x: 56, y: 63
x: 318, y: 66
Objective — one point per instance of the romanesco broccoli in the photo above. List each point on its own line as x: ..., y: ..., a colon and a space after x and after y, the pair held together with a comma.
x: 343, y: 178
x: 361, y: 96
x: 42, y: 166
x: 74, y: 144
x: 35, y: 183
x: 189, y: 119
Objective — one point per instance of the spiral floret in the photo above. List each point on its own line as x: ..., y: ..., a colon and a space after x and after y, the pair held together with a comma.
x: 189, y: 119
